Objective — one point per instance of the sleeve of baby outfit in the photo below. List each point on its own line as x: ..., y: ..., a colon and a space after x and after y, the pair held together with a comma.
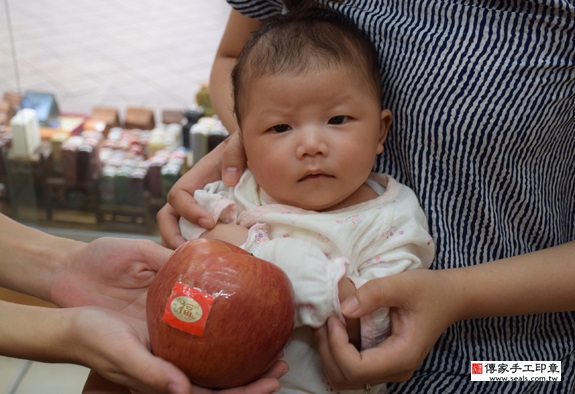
x: 405, y: 245
x: 216, y: 200
x: 313, y: 275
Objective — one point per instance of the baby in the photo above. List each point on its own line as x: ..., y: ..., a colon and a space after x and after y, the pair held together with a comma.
x: 307, y: 99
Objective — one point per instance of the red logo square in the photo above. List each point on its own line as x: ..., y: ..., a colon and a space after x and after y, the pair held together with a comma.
x: 476, y: 368
x: 187, y: 309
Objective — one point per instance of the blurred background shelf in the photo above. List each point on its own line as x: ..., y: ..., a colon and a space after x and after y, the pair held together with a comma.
x: 146, y: 53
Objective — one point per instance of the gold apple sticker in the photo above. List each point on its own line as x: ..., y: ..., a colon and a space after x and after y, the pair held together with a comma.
x: 187, y: 309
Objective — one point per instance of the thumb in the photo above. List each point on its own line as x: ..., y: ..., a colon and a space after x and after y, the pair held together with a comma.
x: 369, y: 297
x: 165, y: 376
x: 234, y: 160
x: 155, y: 254
x: 160, y: 376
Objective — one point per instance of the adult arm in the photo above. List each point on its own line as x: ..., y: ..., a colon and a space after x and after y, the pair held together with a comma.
x: 42, y: 265
x: 107, y: 341
x: 537, y: 282
x: 110, y: 272
x: 30, y: 258
x: 236, y: 33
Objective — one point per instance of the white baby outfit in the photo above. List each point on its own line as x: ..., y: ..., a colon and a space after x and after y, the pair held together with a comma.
x: 373, y: 239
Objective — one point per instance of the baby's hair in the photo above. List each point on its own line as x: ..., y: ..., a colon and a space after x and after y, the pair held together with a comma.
x: 310, y: 40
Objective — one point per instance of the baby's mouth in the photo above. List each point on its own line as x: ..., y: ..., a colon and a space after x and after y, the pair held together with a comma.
x: 315, y: 175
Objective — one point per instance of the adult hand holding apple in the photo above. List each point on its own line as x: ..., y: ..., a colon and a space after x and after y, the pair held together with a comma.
x: 220, y: 314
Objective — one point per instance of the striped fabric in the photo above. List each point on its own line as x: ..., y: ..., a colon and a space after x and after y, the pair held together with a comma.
x: 483, y: 96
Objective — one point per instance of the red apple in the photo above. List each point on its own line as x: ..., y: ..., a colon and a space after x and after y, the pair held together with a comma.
x: 220, y: 314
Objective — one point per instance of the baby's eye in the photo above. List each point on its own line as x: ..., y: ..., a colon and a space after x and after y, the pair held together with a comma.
x: 280, y: 128
x: 340, y: 119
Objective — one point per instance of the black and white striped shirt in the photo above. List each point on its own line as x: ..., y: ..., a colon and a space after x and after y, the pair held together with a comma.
x: 483, y: 97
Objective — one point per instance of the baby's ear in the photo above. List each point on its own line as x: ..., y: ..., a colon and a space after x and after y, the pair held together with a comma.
x: 385, y: 124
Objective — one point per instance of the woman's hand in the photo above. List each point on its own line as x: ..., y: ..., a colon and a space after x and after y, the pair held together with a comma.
x: 227, y: 161
x: 423, y: 303
x: 109, y: 272
x: 115, y: 347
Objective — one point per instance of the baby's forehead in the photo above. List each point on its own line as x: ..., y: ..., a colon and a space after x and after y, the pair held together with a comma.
x: 287, y: 95
x: 345, y: 68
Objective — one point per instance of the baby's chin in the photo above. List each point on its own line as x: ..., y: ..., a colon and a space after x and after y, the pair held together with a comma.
x: 315, y: 205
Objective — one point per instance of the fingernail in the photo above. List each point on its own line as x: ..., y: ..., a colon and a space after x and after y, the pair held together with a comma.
x: 286, y: 370
x: 349, y: 305
x: 205, y: 223
x: 230, y: 176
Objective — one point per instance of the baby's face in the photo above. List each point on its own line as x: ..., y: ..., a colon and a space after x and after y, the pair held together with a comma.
x: 311, y: 139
